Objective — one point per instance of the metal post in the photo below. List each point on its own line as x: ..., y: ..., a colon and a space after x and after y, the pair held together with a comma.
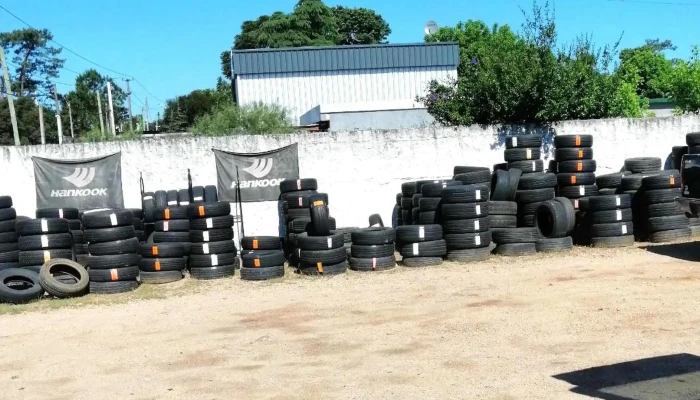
x: 128, y: 99
x: 41, y: 122
x: 70, y: 118
x: 58, y: 116
x: 111, y: 109
x: 10, y: 102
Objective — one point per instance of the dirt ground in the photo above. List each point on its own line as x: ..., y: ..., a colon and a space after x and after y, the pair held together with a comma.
x: 505, y: 328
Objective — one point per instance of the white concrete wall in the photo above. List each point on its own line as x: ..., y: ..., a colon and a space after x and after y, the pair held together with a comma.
x: 299, y: 92
x: 361, y: 171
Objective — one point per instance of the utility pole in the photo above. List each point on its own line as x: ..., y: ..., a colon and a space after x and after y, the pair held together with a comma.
x: 58, y: 116
x: 157, y: 121
x: 111, y: 109
x: 10, y: 102
x: 128, y: 99
x: 70, y: 117
x: 99, y: 111
x: 143, y: 118
x: 41, y: 121
x: 146, y: 106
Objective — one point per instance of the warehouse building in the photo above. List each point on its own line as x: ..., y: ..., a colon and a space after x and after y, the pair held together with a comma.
x: 345, y: 87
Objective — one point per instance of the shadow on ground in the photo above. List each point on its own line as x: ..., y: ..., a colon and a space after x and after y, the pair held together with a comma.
x: 683, y: 251
x: 672, y: 377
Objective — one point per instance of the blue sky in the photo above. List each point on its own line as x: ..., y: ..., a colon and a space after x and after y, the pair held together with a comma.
x: 172, y: 47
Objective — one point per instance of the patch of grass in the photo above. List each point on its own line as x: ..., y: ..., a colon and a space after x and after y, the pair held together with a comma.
x: 255, y: 119
x: 94, y: 136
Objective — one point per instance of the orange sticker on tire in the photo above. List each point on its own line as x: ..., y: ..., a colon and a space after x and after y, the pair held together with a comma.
x: 156, y: 265
x: 573, y: 179
x: 255, y: 244
x: 578, y: 140
x: 579, y: 166
x: 201, y: 211
x: 318, y: 203
x: 672, y: 181
x: 319, y: 267
x: 154, y: 250
x: 256, y: 263
x: 166, y: 213
x: 580, y: 154
x: 114, y: 274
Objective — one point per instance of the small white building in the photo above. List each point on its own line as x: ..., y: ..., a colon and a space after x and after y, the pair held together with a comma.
x: 346, y: 87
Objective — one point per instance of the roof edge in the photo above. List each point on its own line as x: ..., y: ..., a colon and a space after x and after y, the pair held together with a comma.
x: 343, y: 47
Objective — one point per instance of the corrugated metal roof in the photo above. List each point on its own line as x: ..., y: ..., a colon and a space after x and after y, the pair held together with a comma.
x: 340, y: 58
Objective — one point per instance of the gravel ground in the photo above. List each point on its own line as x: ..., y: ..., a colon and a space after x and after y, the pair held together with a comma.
x: 498, y: 329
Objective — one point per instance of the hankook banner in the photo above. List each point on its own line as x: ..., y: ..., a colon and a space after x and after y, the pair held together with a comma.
x: 82, y: 184
x: 259, y: 174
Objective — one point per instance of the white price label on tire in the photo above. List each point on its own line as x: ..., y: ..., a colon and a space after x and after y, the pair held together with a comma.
x: 166, y: 226
x: 415, y: 249
x: 617, y: 201
x: 330, y: 242
x: 624, y: 229
x: 477, y: 226
x: 477, y: 240
x: 210, y: 223
x: 205, y: 236
x: 44, y: 225
x: 618, y: 214
x: 148, y: 197
x: 60, y: 213
x: 113, y: 219
x: 214, y: 260
x: 534, y: 166
x: 172, y: 203
x: 198, y: 198
x: 582, y: 190
x: 205, y: 248
x: 184, y: 203
x: 477, y: 194
x: 421, y: 232
x: 514, y: 141
x: 478, y: 209
x: 44, y: 241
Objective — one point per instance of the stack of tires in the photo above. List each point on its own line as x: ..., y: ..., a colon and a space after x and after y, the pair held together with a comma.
x: 73, y: 217
x: 295, y: 196
x: 609, y: 183
x: 172, y: 225
x: 41, y: 240
x: 321, y: 249
x: 9, y: 254
x: 468, y: 175
x: 610, y: 220
x: 575, y: 167
x: 523, y: 153
x: 515, y: 241
x: 139, y: 225
x: 533, y: 189
x: 161, y: 263
x: 397, y: 214
x: 465, y: 222
x: 503, y: 214
x: 554, y: 221
x: 372, y: 249
x: 113, y: 251
x: 212, y: 254
x: 430, y: 200
x: 408, y: 190
x: 636, y: 169
x: 666, y: 222
x: 421, y: 245
x: 262, y: 258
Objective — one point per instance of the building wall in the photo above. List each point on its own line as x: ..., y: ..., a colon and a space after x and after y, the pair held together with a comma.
x: 301, y: 91
x: 361, y: 171
x: 385, y: 119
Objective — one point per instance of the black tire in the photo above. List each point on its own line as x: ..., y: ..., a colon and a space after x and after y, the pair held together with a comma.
x: 208, y: 210
x: 570, y: 211
x: 500, y: 186
x: 173, y: 225
x: 65, y: 213
x: 171, y: 196
x: 261, y: 243
x: 418, y: 262
x: 183, y: 197
x: 527, y: 166
x: 7, y: 247
x: 613, y: 180
x: 148, y: 204
x: 40, y: 257
x: 428, y: 204
x: 523, y: 141
x: 197, y: 194
x: 466, y: 241
x: 473, y: 225
x: 537, y: 180
x: 503, y: 221
x: 535, y: 195
x: 415, y: 200
x: 171, y: 212
x: 162, y: 264
x: 577, y: 166
x: 18, y: 286
x: 573, y: 178
x: 372, y: 251
x: 602, y: 203
x: 323, y: 269
x: 212, y: 235
x: 465, y: 194
x: 5, y: 201
x: 573, y: 141
x: 434, y: 189
x: 372, y: 264
x: 477, y: 176
x: 332, y: 241
x: 468, y: 255
x: 516, y: 235
x: 262, y: 274
x: 108, y: 234
x: 40, y: 242
x: 552, y: 219
x: 319, y: 221
x: 418, y: 233
x: 573, y: 192
x: 662, y: 195
x: 663, y: 210
x: 107, y: 219
x: 554, y: 245
x: 8, y: 214
x: 263, y: 259
x: 161, y: 198
x: 162, y: 250
x: 53, y: 269
x: 526, y: 221
x: 640, y: 165
x: 464, y: 211
x: 113, y: 287
x: 569, y: 154
x: 375, y: 220
x: 9, y: 237
x: 692, y: 139
x: 670, y: 235
x: 294, y: 185
x: 611, y: 216
x: 215, y: 260
x: 211, y: 195
x: 173, y: 237
x: 301, y: 199
x: 612, y: 241
x: 667, y: 223
x: 373, y: 236
x: 42, y: 226
x: 612, y: 229
x: 225, y: 246
x: 113, y: 261
x: 522, y: 154
x: 502, y: 207
x: 435, y: 248
x: 161, y: 277
x: 114, y: 274
x: 515, y: 249
x: 607, y: 191
x: 128, y: 246
x: 326, y: 257
x: 299, y: 213
x: 138, y: 225
x: 666, y: 179
x: 9, y: 257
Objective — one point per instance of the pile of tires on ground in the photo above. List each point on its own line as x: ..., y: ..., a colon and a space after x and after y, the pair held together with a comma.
x: 262, y: 258
x: 212, y: 253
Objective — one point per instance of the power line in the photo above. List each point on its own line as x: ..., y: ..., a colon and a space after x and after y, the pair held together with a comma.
x: 659, y: 2
x: 146, y: 90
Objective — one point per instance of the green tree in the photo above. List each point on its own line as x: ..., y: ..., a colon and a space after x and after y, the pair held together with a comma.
x: 27, y: 123
x: 685, y: 84
x: 181, y: 113
x: 359, y: 26
x: 647, y: 68
x: 36, y: 62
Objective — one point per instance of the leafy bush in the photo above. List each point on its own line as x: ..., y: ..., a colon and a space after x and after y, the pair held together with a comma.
x: 94, y: 135
x: 255, y: 119
x: 685, y: 84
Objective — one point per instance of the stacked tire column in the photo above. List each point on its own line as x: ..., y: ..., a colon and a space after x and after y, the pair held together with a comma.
x: 321, y: 249
x: 172, y: 225
x: 523, y: 153
x: 139, y: 225
x: 75, y: 224
x: 114, y: 251
x: 372, y: 249
x: 430, y: 199
x: 554, y: 220
x: 262, y: 258
x: 465, y: 222
x: 9, y: 254
x: 41, y: 240
x: 421, y: 245
x: 161, y: 263
x: 666, y: 223
x: 295, y: 206
x: 637, y: 169
x: 611, y: 220
x: 211, y: 235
